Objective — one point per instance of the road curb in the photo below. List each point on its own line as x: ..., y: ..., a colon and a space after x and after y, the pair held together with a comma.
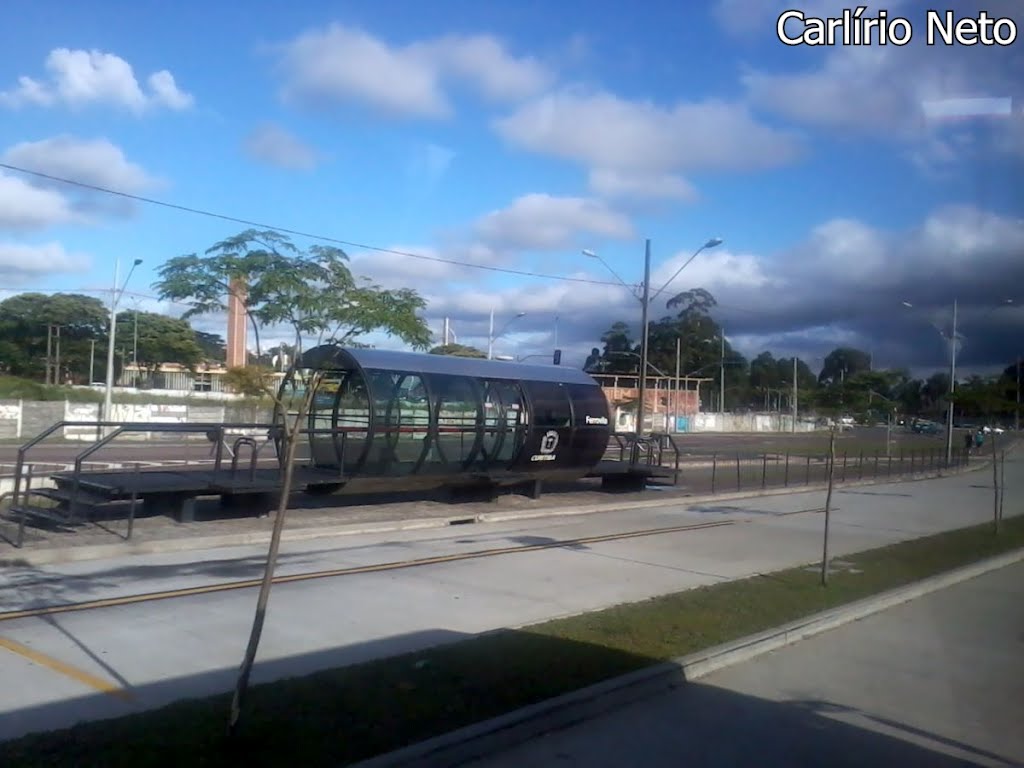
x: 506, y: 731
x: 53, y: 556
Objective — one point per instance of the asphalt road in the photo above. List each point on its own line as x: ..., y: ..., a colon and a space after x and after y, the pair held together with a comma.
x: 365, y: 596
x: 935, y: 682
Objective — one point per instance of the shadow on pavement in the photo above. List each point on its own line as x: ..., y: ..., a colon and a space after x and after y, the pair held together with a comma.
x: 698, y: 725
x: 438, y: 684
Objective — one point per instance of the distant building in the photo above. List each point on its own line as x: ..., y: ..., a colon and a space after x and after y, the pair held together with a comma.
x: 670, y: 402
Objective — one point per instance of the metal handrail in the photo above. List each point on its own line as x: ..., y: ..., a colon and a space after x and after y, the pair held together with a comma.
x: 253, y: 455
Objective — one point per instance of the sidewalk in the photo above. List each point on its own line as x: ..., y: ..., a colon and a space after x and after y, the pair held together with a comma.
x: 934, y: 682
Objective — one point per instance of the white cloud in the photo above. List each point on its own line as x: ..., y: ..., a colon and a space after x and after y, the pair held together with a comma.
x: 541, y: 221
x: 19, y: 261
x: 166, y: 91
x: 24, y: 207
x: 275, y: 146
x: 92, y: 161
x: 78, y: 78
x: 601, y: 130
x: 843, y: 283
x: 884, y: 92
x: 623, y: 184
x: 32, y: 203
x: 339, y: 64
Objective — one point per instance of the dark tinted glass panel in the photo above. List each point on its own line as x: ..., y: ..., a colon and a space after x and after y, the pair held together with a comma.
x: 457, y: 401
x: 321, y: 419
x: 503, y: 421
x: 590, y: 406
x: 382, y: 390
x: 592, y: 422
x: 408, y: 422
x: 550, y: 404
x: 353, y: 419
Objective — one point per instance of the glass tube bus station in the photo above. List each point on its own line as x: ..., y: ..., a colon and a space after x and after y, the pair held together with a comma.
x: 378, y: 421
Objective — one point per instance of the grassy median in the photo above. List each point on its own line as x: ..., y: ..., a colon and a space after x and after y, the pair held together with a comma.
x: 343, y: 715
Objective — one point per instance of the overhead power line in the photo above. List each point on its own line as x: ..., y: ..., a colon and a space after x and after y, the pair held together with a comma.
x: 296, y: 232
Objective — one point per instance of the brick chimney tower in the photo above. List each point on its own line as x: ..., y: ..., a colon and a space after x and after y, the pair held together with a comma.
x: 237, y: 325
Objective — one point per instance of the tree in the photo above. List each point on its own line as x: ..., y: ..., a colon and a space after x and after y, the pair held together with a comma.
x: 843, y: 362
x: 806, y: 381
x: 458, y: 350
x: 314, y: 294
x: 249, y: 380
x: 695, y: 302
x: 161, y: 339
x: 212, y: 345
x: 617, y: 356
x: 934, y: 392
x: 23, y: 330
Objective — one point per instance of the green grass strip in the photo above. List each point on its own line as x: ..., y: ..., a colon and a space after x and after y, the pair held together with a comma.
x: 340, y: 716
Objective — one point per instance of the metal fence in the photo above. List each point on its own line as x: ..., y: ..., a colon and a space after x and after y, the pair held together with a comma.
x: 738, y: 471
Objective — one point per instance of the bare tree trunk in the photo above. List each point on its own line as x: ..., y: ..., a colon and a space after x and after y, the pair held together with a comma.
x: 995, y: 483
x: 245, y: 672
x: 1002, y: 482
x: 828, y: 505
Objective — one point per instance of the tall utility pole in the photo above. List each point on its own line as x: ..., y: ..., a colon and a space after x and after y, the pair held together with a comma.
x: 490, y: 337
x: 641, y: 409
x: 675, y: 400
x: 952, y: 388
x: 645, y: 301
x: 1016, y: 419
x: 92, y: 360
x: 721, y: 377
x: 53, y: 353
x: 56, y: 363
x: 794, y: 393
x: 108, y: 394
x: 49, y: 352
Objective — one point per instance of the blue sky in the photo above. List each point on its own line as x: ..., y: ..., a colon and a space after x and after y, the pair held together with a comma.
x: 515, y: 135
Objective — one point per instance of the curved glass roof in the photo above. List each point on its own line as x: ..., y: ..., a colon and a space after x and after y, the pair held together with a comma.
x: 330, y: 355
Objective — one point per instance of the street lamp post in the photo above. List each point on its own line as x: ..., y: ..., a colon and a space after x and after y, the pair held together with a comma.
x: 952, y: 388
x: 645, y: 302
x: 641, y: 408
x: 491, y: 335
x: 115, y: 297
x: 794, y: 393
x: 1016, y: 418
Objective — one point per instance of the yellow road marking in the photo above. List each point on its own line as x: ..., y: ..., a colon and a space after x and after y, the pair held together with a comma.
x: 351, y: 571
x: 56, y: 665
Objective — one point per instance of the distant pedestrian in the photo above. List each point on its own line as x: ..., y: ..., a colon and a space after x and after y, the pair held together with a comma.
x: 968, y: 441
x: 979, y: 439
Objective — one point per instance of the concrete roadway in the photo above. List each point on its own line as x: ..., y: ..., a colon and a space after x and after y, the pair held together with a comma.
x: 937, y: 682
x: 105, y: 661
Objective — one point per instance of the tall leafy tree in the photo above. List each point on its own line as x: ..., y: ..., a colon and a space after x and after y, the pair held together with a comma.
x: 213, y: 347
x: 458, y: 350
x: 160, y: 339
x: 618, y: 355
x: 23, y: 331
x: 842, y: 363
x: 315, y: 295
